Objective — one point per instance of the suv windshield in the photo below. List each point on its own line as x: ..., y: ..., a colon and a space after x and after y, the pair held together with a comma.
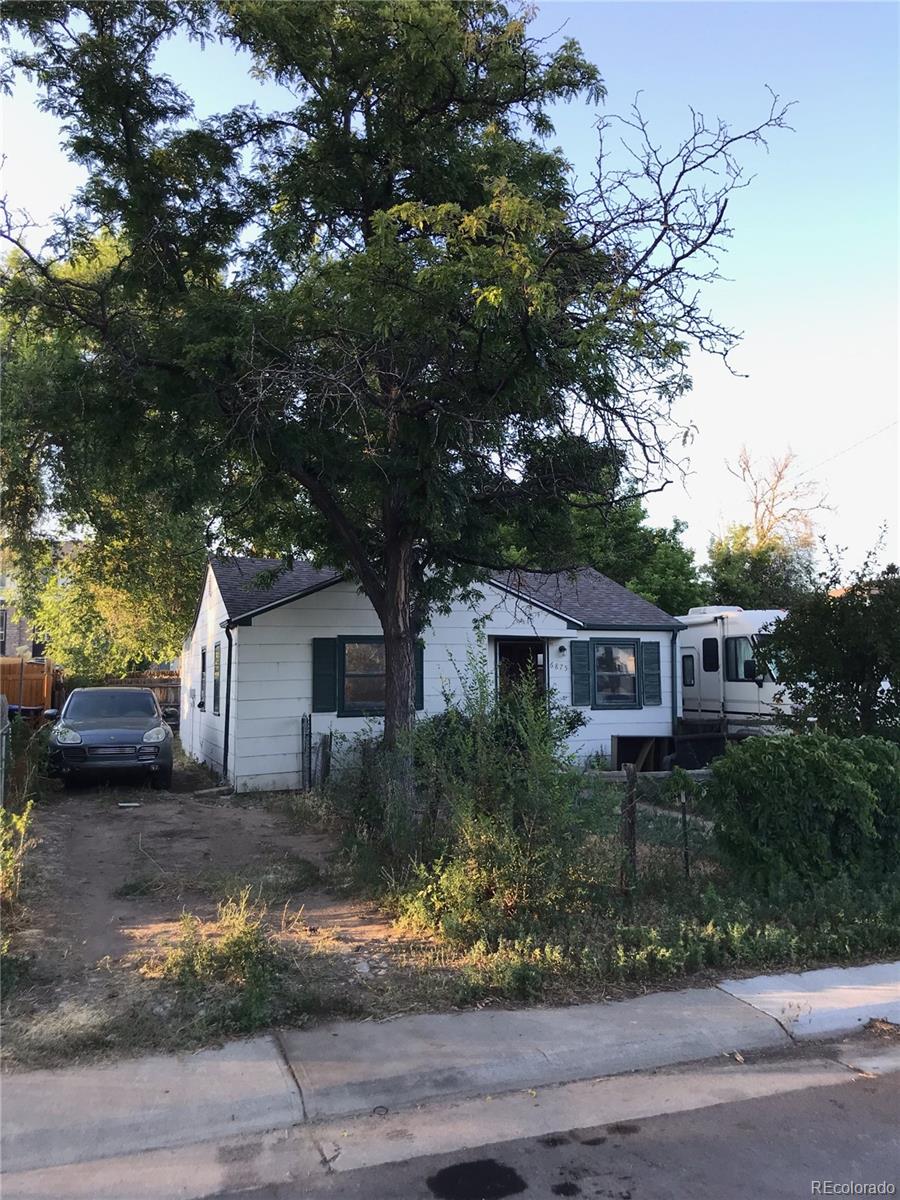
x: 109, y: 702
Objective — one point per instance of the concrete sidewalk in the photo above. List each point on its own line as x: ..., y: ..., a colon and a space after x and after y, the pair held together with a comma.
x: 269, y: 1085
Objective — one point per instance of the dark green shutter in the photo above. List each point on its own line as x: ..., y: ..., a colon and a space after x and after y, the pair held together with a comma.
x: 420, y: 676
x: 651, y: 678
x: 324, y: 671
x: 580, y: 667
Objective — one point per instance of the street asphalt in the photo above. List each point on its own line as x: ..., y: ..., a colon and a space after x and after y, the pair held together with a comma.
x: 811, y: 1142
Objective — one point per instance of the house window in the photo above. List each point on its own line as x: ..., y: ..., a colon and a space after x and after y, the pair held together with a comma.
x: 361, y: 679
x: 3, y: 619
x: 217, y: 676
x: 710, y: 654
x: 615, y: 674
x: 738, y: 652
x: 202, y: 703
x: 688, y: 678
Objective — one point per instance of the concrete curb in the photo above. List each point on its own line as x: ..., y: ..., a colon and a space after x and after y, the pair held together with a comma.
x: 346, y: 1068
x: 57, y: 1118
x: 817, y: 1004
x: 302, y: 1156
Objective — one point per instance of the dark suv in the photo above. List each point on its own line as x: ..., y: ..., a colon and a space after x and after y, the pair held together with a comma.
x: 111, y: 731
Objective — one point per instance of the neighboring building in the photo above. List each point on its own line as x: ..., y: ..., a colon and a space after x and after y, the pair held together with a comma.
x: 257, y: 663
x: 16, y: 635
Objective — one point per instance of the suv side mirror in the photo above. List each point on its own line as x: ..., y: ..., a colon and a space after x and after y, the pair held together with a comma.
x: 50, y: 714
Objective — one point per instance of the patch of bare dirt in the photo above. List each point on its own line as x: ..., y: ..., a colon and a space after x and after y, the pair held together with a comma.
x: 117, y: 878
x: 112, y: 873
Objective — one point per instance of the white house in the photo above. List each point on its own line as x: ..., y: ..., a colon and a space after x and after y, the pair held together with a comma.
x: 261, y: 662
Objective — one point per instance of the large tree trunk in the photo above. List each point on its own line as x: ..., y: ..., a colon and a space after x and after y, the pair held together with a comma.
x: 400, y: 689
x: 399, y: 681
x: 399, y: 646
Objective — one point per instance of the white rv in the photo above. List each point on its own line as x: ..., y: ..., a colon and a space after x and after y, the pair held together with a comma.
x: 721, y: 677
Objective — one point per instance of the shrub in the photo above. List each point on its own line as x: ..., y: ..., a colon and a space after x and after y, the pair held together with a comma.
x: 238, y: 962
x: 495, y: 844
x: 15, y: 840
x: 807, y: 808
x: 28, y: 753
x: 27, y: 759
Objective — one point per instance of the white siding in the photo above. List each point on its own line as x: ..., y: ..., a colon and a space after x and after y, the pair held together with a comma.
x: 202, y: 733
x: 272, y: 675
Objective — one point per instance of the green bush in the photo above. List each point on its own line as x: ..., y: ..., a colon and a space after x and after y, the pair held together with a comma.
x: 15, y: 841
x: 807, y: 808
x: 238, y: 962
x: 495, y: 844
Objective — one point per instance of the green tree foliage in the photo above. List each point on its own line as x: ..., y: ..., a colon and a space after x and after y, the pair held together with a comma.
x: 110, y: 605
x: 652, y: 561
x: 772, y: 575
x: 377, y: 324
x: 837, y: 653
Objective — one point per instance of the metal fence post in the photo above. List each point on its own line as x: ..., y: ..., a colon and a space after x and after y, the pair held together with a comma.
x: 629, y: 829
x: 684, y: 835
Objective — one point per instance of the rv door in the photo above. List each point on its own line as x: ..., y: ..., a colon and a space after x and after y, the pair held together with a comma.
x: 690, y: 680
x: 711, y: 673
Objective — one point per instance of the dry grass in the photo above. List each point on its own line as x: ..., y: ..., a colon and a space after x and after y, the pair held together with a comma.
x: 887, y: 1031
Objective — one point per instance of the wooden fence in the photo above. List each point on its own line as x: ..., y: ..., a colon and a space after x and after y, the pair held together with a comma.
x: 165, y: 684
x: 29, y: 685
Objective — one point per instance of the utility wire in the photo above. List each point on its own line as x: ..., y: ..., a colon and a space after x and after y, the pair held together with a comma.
x: 847, y: 449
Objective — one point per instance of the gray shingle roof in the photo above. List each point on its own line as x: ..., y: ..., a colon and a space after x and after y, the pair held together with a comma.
x: 238, y: 580
x: 587, y: 596
x: 584, y: 595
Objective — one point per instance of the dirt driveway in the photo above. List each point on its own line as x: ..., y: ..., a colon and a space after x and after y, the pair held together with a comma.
x: 112, y: 873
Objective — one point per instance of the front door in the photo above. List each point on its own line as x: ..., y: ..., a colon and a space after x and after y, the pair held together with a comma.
x: 517, y: 657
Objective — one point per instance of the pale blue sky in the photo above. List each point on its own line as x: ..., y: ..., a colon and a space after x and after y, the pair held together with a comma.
x: 814, y: 257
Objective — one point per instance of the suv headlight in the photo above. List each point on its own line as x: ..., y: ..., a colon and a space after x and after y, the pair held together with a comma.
x: 66, y: 736
x: 159, y: 734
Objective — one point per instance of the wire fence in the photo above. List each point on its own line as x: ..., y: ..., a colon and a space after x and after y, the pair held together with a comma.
x: 665, y: 810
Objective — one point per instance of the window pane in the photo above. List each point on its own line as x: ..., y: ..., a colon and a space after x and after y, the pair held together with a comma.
x: 615, y: 674
x: 366, y: 690
x: 217, y: 675
x: 363, y: 657
x: 363, y: 677
x: 710, y: 654
x: 687, y: 670
x: 618, y: 660
x: 108, y: 703
x: 738, y: 651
